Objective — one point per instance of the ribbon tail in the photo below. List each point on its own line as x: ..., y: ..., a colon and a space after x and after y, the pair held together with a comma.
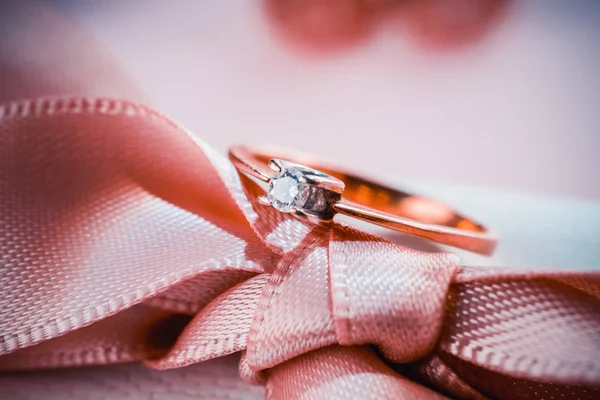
x: 337, y: 372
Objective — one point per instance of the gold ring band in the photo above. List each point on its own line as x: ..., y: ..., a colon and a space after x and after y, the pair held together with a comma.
x: 320, y: 189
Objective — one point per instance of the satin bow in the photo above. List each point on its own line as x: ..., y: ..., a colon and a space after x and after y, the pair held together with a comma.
x: 123, y: 237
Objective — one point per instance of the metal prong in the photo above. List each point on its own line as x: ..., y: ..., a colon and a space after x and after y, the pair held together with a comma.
x: 275, y: 165
x: 263, y: 200
x: 326, y: 182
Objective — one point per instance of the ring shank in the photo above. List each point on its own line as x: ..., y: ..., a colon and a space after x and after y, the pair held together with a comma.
x: 377, y: 203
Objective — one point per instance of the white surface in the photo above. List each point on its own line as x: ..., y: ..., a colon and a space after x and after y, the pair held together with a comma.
x: 534, y: 231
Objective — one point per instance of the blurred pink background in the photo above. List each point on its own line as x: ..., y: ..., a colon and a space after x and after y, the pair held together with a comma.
x: 518, y: 109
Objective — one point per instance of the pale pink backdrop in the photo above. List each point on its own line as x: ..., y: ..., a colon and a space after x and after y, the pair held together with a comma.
x: 519, y: 110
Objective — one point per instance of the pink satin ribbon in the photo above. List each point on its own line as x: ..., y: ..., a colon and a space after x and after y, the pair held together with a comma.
x: 125, y: 238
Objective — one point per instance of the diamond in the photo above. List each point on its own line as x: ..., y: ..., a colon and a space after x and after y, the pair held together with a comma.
x: 287, y: 191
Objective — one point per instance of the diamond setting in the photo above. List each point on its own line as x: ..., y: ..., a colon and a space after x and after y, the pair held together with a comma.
x: 301, y: 190
x: 288, y: 190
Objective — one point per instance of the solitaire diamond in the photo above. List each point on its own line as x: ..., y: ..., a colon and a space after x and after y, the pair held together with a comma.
x: 287, y: 190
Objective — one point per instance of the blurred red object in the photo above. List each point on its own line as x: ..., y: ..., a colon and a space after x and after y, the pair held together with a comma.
x: 438, y: 24
x: 321, y: 25
x: 332, y: 25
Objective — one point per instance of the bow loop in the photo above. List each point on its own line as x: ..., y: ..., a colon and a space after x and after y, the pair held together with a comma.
x: 105, y: 204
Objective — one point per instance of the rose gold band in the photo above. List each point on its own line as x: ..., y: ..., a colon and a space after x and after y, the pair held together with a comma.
x: 376, y: 203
